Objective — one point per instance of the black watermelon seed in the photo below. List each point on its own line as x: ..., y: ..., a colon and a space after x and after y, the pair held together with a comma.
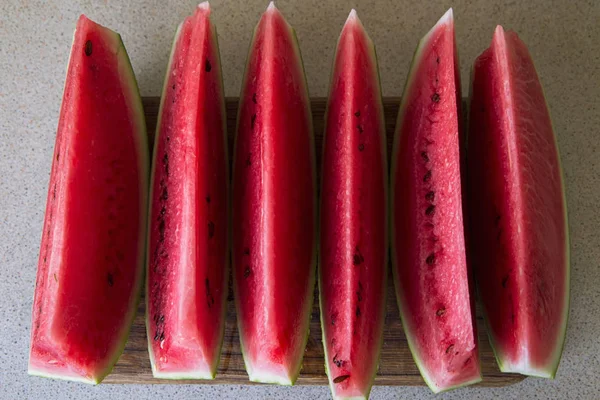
x: 341, y: 378
x: 425, y: 156
x: 88, y: 48
x: 430, y: 210
x: 427, y: 176
x: 207, y: 66
x: 430, y: 196
x: 338, y: 363
x: 247, y: 272
x: 357, y: 114
x: 211, y: 229
x: 430, y: 259
x: 358, y: 258
x: 435, y: 97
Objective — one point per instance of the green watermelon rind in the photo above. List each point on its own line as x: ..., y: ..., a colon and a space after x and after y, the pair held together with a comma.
x: 293, y: 376
x: 137, y: 112
x: 549, y: 372
x: 213, y: 368
x: 399, y: 296
x: 384, y: 293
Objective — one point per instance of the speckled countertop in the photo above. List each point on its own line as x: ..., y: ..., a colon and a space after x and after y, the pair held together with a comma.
x: 35, y: 38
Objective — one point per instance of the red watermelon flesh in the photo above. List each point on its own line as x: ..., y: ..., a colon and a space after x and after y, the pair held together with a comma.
x: 274, y: 205
x: 91, y: 257
x: 519, y: 226
x: 428, y: 244
x: 188, y: 254
x: 353, y: 244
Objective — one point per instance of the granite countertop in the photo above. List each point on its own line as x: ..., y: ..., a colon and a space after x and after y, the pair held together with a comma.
x: 35, y: 38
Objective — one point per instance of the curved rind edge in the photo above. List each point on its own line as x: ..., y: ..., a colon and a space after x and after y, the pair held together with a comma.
x: 353, y: 18
x: 503, y: 365
x: 448, y: 16
x: 255, y: 376
x: 130, y: 87
x: 155, y: 372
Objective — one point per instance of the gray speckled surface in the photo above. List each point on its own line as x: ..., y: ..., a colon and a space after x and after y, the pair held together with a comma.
x: 35, y: 37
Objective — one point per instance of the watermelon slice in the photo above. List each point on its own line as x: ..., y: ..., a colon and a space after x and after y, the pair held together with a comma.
x: 92, y: 252
x: 353, y: 255
x: 187, y: 254
x: 519, y: 225
x: 428, y: 244
x: 274, y: 206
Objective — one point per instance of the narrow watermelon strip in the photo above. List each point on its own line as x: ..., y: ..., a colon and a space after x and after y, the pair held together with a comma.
x: 428, y: 243
x: 353, y: 245
x: 188, y: 255
x: 519, y: 224
x: 91, y: 257
x: 274, y: 205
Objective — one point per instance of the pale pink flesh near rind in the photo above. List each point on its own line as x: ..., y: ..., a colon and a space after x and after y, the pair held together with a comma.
x: 354, y: 168
x: 56, y: 363
x: 435, y: 332
x: 194, y: 181
x: 523, y: 277
x: 278, y: 360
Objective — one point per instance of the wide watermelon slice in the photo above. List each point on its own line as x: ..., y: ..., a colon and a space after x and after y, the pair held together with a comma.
x: 353, y: 244
x: 428, y: 241
x: 188, y: 253
x: 92, y: 253
x: 274, y: 206
x: 519, y: 221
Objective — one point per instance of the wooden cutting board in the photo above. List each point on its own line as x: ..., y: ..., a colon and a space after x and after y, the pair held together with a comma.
x: 396, y: 366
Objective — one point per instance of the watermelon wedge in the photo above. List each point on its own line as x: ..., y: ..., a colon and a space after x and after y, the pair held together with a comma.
x: 91, y: 257
x: 428, y: 241
x: 274, y: 206
x: 187, y: 267
x: 519, y: 225
x: 353, y: 241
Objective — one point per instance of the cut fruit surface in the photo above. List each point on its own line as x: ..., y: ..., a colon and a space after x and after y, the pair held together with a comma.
x: 92, y: 252
x: 187, y: 253
x: 428, y: 241
x: 274, y: 205
x: 353, y: 226
x: 519, y: 224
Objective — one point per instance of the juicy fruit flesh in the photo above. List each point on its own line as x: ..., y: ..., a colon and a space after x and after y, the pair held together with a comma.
x: 89, y: 270
x: 274, y: 206
x: 428, y: 246
x: 353, y: 218
x: 187, y: 271
x: 519, y: 225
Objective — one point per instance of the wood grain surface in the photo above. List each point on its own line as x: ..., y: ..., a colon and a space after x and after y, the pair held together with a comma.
x: 396, y: 366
